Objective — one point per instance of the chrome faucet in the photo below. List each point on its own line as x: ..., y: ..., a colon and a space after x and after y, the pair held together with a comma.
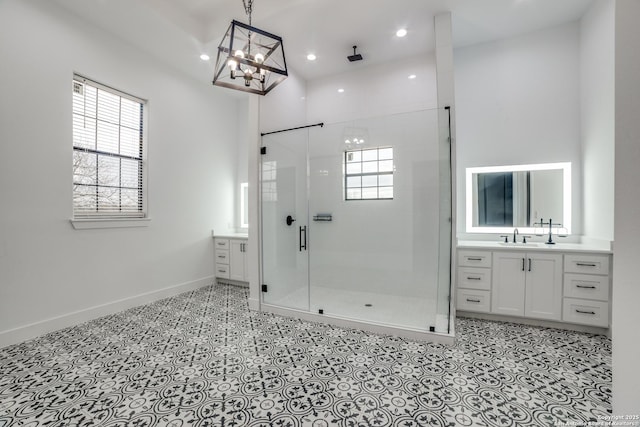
x: 515, y: 233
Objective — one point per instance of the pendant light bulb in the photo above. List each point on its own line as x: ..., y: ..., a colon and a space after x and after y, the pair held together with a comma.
x: 238, y: 54
x: 259, y: 58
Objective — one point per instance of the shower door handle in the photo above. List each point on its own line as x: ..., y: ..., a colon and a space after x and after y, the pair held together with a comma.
x: 303, y: 232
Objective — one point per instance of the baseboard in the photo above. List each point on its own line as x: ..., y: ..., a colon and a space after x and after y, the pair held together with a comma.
x: 254, y: 304
x: 535, y: 322
x: 33, y: 330
x: 232, y: 282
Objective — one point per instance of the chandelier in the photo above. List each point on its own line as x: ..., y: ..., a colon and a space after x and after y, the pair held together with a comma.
x: 249, y: 59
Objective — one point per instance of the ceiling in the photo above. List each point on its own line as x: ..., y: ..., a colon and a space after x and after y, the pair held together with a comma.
x: 178, y: 31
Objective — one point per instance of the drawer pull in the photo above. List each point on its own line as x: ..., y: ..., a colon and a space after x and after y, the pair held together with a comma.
x: 585, y: 312
x: 474, y: 259
x: 221, y: 256
x: 585, y: 287
x: 586, y: 264
x: 473, y: 300
x: 473, y: 278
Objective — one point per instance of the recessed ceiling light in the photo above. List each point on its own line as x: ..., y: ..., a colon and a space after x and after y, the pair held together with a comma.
x: 401, y: 32
x: 204, y: 57
x: 311, y: 57
x: 340, y: 90
x: 412, y: 76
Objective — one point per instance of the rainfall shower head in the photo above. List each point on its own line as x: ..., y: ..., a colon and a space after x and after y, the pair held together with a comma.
x: 355, y: 56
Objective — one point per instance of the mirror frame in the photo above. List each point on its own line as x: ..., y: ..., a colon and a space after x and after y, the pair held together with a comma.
x: 566, y: 194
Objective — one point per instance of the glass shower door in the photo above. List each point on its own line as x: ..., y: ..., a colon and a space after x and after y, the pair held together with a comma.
x: 284, y: 191
x: 376, y: 218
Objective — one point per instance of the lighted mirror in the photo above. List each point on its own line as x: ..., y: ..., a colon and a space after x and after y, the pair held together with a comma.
x: 501, y: 198
x: 244, y: 205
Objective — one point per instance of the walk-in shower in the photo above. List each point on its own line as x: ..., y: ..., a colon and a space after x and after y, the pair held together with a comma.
x: 356, y: 222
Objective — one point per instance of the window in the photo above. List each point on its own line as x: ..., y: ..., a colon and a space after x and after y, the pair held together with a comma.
x: 368, y: 174
x: 269, y: 181
x: 108, y: 152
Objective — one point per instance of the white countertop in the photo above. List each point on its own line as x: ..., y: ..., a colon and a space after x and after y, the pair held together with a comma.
x: 535, y: 246
x: 232, y: 236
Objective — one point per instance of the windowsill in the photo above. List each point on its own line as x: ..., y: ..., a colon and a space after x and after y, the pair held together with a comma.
x: 85, y: 224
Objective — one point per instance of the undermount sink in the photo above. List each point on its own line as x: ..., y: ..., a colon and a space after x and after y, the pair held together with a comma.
x: 520, y: 245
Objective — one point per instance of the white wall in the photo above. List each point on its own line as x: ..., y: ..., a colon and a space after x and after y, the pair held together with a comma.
x: 380, y: 246
x: 369, y: 92
x: 377, y: 90
x: 518, y: 102
x: 48, y: 269
x: 242, y: 154
x: 285, y: 106
x: 597, y: 123
x: 626, y: 289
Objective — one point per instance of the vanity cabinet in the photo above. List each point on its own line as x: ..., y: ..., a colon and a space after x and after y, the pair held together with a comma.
x: 527, y: 284
x: 231, y: 259
x: 586, y: 289
x: 571, y: 285
x: 474, y: 281
x: 222, y: 258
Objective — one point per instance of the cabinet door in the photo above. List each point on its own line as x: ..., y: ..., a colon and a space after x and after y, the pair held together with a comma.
x: 245, y: 261
x: 508, y: 287
x: 237, y: 261
x: 544, y: 286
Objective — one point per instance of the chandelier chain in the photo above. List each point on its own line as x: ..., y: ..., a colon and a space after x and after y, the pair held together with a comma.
x: 248, y: 8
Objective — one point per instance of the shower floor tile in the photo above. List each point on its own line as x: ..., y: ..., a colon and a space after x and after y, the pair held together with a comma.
x: 372, y: 307
x: 391, y: 310
x: 203, y: 359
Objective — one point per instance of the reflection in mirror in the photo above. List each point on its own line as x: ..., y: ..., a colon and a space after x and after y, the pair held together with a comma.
x: 500, y: 198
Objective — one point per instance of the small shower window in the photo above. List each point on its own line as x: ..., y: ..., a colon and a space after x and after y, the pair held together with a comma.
x: 269, y: 187
x: 368, y: 174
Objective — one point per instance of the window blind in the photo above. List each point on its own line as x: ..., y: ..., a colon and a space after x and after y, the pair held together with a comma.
x: 108, y: 152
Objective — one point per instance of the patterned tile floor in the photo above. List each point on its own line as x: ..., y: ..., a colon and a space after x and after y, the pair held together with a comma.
x: 203, y: 359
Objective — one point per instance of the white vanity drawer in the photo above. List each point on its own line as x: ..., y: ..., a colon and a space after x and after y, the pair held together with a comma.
x: 222, y: 257
x: 591, y: 264
x: 473, y: 300
x: 586, y: 286
x: 222, y: 271
x: 474, y: 258
x: 222, y: 244
x: 586, y: 312
x: 474, y: 278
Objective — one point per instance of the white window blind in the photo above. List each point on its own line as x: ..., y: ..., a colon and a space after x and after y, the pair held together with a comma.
x: 368, y: 174
x: 108, y: 152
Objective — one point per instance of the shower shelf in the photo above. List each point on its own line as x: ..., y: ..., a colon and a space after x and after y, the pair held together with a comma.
x: 323, y: 217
